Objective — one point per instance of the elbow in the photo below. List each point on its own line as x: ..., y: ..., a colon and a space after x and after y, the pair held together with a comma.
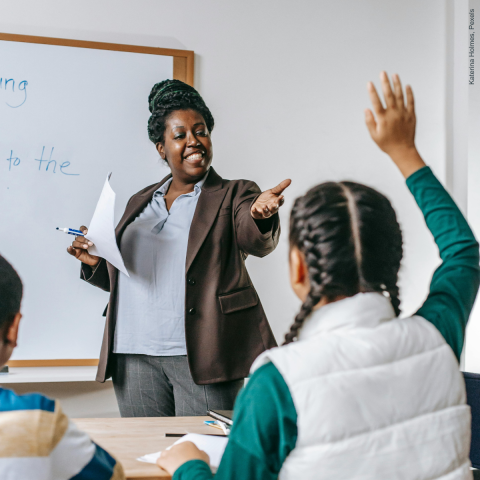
x: 258, y: 244
x: 259, y: 249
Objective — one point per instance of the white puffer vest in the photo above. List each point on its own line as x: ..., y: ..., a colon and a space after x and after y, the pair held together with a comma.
x: 377, y: 397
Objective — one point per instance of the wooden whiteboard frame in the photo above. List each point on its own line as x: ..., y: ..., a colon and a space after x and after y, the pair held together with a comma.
x: 183, y: 60
x: 183, y: 68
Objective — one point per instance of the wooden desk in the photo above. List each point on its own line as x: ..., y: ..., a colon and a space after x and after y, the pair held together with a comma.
x: 129, y: 438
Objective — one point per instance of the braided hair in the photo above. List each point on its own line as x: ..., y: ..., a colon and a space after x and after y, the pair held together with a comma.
x: 168, y: 96
x: 351, y: 241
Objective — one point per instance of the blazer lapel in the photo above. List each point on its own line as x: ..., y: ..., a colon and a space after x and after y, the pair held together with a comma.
x: 205, y: 214
x: 135, y: 207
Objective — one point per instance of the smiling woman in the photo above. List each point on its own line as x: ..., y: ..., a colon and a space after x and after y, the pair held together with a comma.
x: 183, y: 330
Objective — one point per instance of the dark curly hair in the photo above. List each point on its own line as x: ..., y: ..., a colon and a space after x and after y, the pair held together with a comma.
x: 169, y: 96
x: 352, y: 242
x: 11, y: 290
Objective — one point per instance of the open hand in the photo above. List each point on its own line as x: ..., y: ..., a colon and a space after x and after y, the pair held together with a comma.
x: 392, y: 127
x: 177, y: 455
x: 268, y: 203
x: 79, y: 249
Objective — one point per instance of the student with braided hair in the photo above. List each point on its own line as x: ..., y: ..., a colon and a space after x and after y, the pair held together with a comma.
x: 183, y: 329
x: 357, y: 392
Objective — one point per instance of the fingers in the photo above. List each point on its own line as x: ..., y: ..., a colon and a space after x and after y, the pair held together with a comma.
x: 410, y: 100
x: 272, y: 209
x: 267, y: 209
x: 74, y: 252
x: 387, y: 91
x: 397, y: 87
x: 205, y: 457
x: 375, y: 99
x: 84, y: 229
x: 82, y: 242
x: 171, y: 459
x: 370, y: 122
x: 281, y: 187
x: 261, y: 212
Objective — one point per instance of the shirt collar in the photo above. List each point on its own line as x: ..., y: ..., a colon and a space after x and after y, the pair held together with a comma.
x: 365, y: 310
x: 196, y: 189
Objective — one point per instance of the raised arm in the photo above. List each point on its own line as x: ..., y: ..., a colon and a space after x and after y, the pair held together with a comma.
x: 455, y: 283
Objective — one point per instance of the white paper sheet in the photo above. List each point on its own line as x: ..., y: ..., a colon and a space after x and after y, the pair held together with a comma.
x: 101, y: 230
x: 211, y: 444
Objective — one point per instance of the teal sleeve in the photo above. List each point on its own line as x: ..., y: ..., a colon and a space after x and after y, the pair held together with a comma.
x: 264, y: 432
x: 455, y: 282
x: 193, y: 470
x: 100, y: 467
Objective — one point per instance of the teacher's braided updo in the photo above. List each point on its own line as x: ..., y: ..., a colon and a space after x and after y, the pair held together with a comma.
x: 169, y: 96
x: 351, y: 241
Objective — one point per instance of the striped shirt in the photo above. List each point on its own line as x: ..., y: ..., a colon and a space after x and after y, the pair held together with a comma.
x: 39, y: 442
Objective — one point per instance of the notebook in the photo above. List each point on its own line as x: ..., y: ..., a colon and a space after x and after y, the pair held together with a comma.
x: 213, y: 445
x: 225, y: 416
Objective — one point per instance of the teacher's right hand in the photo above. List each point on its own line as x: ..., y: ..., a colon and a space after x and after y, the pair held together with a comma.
x: 79, y: 249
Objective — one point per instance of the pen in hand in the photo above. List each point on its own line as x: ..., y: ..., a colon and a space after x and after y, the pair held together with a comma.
x: 71, y: 231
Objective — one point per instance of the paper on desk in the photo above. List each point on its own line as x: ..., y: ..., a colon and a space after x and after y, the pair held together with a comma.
x: 211, y: 444
x: 101, y: 230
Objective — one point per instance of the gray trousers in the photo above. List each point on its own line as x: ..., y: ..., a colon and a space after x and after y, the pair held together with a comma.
x: 147, y: 386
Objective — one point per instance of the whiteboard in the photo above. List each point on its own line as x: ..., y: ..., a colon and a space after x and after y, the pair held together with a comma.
x: 67, y: 117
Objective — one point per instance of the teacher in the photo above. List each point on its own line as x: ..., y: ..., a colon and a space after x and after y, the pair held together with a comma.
x: 183, y: 330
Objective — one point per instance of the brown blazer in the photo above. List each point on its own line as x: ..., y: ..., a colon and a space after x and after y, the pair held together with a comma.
x: 225, y: 325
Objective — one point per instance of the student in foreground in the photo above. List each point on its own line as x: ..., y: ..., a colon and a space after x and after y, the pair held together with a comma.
x: 37, y: 440
x: 357, y: 392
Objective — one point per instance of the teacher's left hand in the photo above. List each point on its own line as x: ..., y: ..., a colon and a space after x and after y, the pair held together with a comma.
x: 177, y: 455
x: 268, y: 203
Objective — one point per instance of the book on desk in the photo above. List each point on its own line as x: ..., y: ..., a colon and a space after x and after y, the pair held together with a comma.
x: 225, y: 416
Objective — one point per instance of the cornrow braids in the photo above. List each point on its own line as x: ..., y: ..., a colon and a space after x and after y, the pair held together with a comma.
x: 351, y: 241
x: 169, y: 96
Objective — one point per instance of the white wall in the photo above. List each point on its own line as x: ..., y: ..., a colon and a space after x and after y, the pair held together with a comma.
x: 78, y: 399
x: 285, y: 81
x: 466, y: 141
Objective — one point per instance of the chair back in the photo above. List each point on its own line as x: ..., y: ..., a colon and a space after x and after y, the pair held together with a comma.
x: 472, y: 382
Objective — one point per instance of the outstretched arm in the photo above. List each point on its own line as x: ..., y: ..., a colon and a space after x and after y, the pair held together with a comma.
x: 256, y: 219
x: 455, y: 283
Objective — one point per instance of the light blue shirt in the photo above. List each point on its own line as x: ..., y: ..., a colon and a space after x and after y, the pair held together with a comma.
x: 151, y: 302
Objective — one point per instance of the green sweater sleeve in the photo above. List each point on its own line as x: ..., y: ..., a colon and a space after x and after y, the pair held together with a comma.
x: 264, y: 432
x: 455, y: 283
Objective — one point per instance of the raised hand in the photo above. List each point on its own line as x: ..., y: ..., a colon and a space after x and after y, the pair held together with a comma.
x: 268, y: 203
x: 392, y: 127
x: 79, y: 249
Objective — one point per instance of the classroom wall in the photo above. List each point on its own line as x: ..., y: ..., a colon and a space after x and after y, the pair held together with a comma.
x: 78, y: 399
x: 286, y: 83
